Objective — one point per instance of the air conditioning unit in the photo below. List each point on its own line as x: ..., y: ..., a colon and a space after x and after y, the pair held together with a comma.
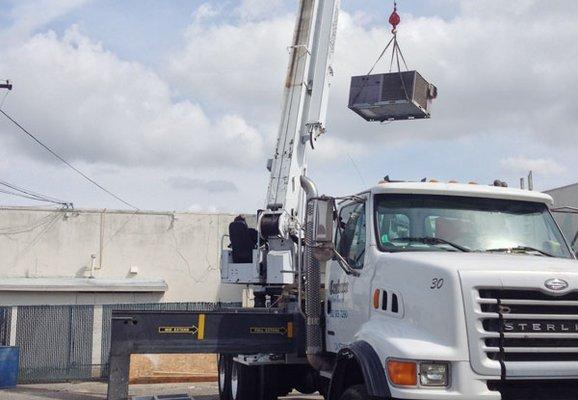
x: 392, y: 96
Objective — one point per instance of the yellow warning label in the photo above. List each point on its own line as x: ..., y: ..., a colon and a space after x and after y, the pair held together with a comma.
x: 201, y: 334
x: 198, y: 330
x: 178, y: 329
x: 271, y: 330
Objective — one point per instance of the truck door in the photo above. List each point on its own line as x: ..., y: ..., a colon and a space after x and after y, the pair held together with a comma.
x: 347, y: 295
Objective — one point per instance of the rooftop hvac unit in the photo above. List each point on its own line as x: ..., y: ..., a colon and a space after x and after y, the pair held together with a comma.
x: 392, y: 96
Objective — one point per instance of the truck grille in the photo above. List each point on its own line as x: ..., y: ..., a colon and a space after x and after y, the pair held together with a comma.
x: 528, y: 325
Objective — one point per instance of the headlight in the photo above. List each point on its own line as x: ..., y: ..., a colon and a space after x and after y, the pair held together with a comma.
x: 433, y: 374
x: 418, y: 373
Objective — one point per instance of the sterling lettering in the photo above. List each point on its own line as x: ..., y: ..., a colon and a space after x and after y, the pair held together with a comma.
x: 550, y: 326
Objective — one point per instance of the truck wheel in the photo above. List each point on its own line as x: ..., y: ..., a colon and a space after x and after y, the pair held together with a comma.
x: 244, y: 382
x: 224, y: 364
x: 357, y: 392
x: 270, y: 383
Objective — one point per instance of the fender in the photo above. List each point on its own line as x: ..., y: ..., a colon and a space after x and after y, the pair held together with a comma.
x: 370, y: 366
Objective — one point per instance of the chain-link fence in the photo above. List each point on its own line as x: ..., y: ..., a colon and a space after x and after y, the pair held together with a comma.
x: 5, y: 318
x: 57, y: 342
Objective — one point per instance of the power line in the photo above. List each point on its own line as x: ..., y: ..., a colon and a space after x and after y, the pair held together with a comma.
x: 8, y: 87
x: 28, y: 194
x: 59, y: 157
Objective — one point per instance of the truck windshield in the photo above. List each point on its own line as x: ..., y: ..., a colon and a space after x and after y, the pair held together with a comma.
x: 466, y: 224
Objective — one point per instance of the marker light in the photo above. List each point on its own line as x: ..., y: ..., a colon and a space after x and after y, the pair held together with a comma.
x: 432, y: 374
x: 376, y: 298
x: 402, y: 373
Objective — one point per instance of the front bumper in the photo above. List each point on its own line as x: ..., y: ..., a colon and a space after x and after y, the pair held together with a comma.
x: 465, y: 385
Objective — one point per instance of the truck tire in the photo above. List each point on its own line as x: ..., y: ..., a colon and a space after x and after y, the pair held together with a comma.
x: 225, y: 364
x: 244, y: 382
x: 357, y: 392
x: 269, y: 383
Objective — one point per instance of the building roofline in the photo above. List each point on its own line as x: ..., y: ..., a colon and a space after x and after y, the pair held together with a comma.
x: 561, y: 187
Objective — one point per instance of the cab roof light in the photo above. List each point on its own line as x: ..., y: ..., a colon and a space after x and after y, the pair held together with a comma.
x: 387, y: 179
x: 499, y: 183
x: 402, y: 373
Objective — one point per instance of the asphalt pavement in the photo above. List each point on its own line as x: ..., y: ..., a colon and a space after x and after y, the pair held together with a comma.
x: 97, y: 391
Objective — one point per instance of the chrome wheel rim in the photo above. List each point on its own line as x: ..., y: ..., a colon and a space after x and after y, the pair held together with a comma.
x: 222, y: 373
x: 234, y: 381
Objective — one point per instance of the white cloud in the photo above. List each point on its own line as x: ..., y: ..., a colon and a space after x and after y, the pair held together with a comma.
x: 258, y: 9
x: 211, y: 186
x: 90, y: 105
x: 501, y: 69
x: 206, y: 11
x: 29, y: 15
x: 200, y: 208
x: 235, y: 66
x: 541, y: 166
x: 504, y: 70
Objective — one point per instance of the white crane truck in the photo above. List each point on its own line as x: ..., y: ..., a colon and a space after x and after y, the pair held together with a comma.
x: 425, y: 291
x: 409, y: 290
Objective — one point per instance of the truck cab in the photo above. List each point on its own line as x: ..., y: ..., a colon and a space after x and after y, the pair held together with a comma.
x: 461, y: 291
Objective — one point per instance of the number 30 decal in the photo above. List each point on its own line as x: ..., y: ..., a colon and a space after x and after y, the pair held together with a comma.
x: 437, y: 283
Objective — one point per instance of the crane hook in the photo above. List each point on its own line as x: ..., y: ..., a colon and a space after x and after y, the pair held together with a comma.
x: 394, y: 19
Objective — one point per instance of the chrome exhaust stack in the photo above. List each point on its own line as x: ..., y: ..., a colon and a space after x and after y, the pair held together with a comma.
x: 312, y: 272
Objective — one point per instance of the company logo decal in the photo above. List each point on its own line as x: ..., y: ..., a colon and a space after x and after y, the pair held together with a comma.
x: 556, y: 284
x: 338, y: 287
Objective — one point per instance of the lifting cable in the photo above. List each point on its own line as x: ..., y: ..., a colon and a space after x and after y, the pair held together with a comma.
x: 396, y: 53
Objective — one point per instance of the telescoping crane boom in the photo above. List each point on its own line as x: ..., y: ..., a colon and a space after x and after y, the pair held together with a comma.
x: 304, y: 101
x: 304, y: 110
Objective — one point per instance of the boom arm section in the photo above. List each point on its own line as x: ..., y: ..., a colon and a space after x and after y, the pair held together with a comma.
x: 304, y: 102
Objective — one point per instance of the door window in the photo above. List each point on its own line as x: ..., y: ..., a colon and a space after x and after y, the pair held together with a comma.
x: 351, y: 234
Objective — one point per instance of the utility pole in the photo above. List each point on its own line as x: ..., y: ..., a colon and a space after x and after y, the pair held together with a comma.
x: 6, y: 85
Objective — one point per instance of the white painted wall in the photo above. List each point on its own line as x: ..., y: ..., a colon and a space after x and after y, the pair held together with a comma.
x: 180, y: 248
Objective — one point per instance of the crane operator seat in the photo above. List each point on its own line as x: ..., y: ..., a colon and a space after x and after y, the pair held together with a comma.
x: 243, y: 240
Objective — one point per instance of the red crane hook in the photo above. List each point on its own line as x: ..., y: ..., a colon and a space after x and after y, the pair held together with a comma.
x: 394, y: 18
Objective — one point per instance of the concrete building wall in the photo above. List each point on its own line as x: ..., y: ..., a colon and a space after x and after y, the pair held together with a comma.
x: 52, y: 254
x: 80, y: 262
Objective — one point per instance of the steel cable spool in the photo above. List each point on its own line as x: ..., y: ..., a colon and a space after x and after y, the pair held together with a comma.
x: 270, y: 225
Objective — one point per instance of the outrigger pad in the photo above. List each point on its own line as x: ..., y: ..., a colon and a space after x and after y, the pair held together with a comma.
x: 392, y: 96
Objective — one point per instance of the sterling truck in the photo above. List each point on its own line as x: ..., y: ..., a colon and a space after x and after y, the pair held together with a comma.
x: 409, y: 290
x: 433, y: 291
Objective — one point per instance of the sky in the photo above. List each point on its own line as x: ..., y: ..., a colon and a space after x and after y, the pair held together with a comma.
x: 175, y: 105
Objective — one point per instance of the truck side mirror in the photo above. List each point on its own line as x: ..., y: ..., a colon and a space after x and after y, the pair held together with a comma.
x: 323, y: 225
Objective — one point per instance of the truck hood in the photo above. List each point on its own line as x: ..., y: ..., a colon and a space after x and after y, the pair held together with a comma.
x: 485, y: 261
